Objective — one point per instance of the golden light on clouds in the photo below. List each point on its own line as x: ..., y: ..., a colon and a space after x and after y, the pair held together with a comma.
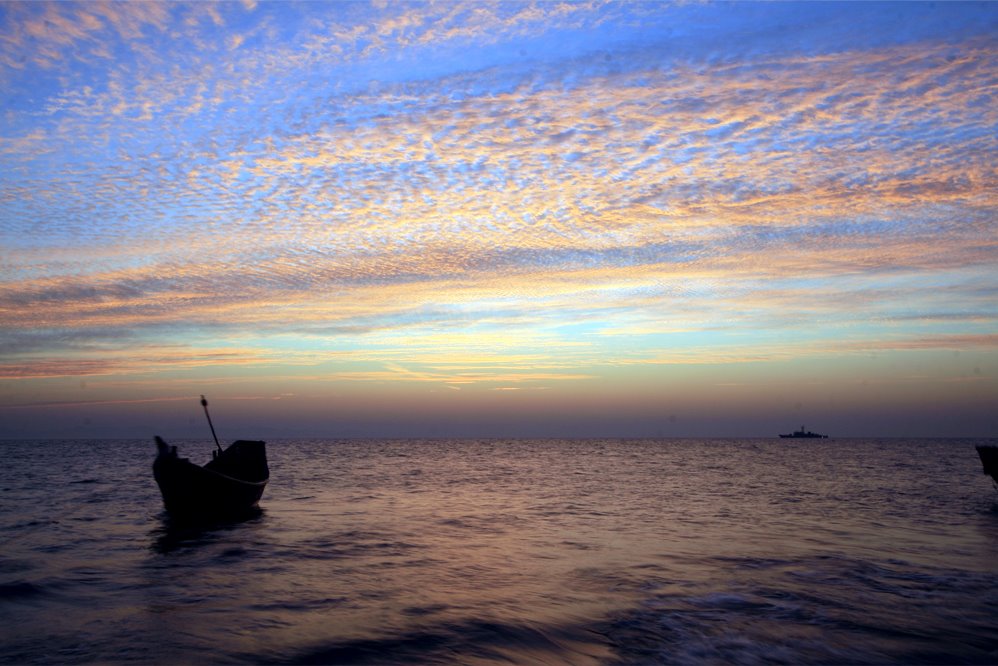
x: 515, y: 196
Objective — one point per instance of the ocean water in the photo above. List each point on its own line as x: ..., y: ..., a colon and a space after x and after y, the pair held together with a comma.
x: 524, y: 552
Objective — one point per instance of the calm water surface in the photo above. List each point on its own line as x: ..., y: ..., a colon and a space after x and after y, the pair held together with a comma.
x: 481, y: 552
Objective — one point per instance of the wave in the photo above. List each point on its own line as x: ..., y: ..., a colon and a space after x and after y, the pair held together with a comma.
x: 816, y: 609
x: 461, y: 641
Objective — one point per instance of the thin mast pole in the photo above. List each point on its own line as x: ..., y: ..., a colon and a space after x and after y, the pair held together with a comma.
x: 204, y: 403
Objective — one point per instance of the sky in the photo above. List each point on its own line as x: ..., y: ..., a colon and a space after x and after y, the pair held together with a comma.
x: 498, y: 219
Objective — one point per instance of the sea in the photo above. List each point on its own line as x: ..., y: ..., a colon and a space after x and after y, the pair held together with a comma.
x: 602, y: 551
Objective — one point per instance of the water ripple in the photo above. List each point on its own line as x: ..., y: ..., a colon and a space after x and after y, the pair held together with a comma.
x: 504, y: 551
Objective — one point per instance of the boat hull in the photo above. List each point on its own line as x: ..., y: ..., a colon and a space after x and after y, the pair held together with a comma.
x: 193, y: 491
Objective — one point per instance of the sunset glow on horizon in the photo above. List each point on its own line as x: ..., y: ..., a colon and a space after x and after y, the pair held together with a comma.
x: 498, y: 219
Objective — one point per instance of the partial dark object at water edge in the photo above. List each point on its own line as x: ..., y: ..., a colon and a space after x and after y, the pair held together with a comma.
x: 989, y: 458
x: 230, y: 484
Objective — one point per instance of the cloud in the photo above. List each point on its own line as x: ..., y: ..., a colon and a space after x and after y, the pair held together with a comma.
x: 47, y: 34
x: 249, y: 183
x: 123, y: 361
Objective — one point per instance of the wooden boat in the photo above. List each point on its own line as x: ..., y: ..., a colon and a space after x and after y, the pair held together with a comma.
x: 230, y: 484
x: 989, y: 458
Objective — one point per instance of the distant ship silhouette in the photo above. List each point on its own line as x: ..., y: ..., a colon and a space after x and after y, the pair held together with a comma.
x: 803, y: 434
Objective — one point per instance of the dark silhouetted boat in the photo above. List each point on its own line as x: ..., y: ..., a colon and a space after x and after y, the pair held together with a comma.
x: 989, y: 458
x: 230, y: 484
x: 803, y: 434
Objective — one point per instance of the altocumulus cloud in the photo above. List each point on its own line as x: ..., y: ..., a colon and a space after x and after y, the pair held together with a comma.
x: 220, y: 168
